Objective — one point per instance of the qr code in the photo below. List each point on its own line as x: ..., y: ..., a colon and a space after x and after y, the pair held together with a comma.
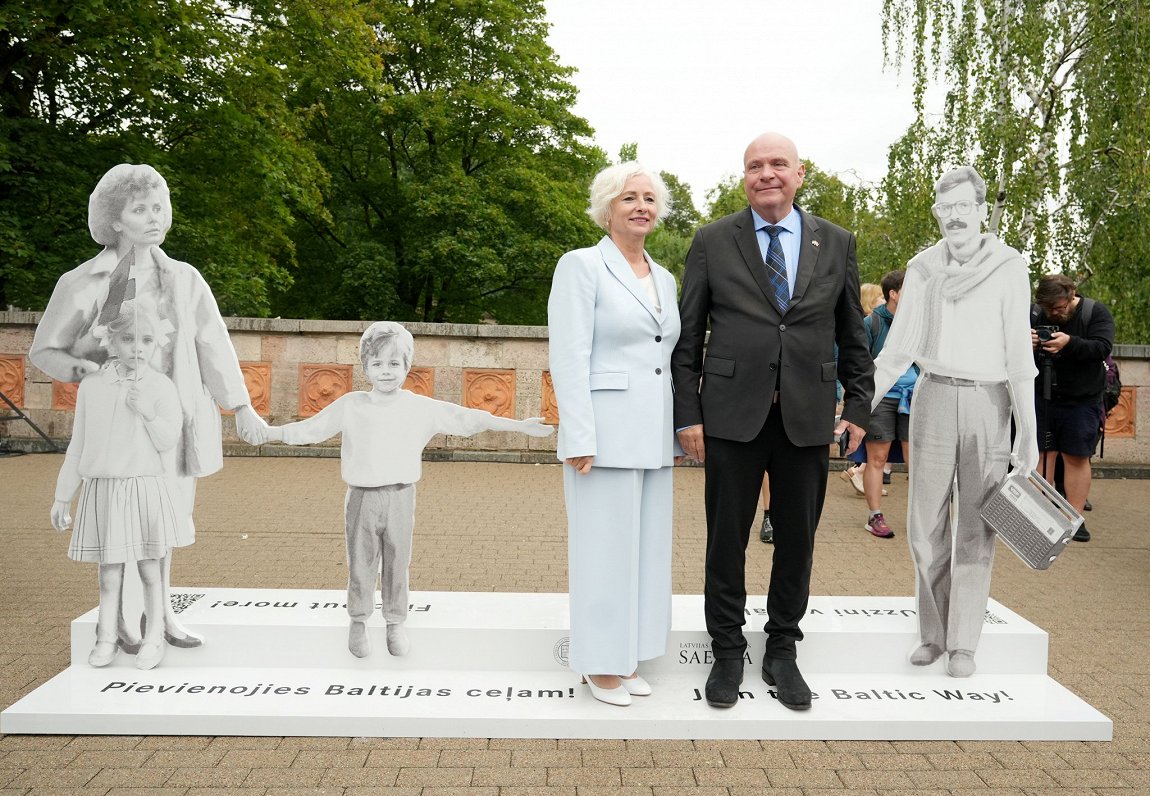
x: 180, y: 602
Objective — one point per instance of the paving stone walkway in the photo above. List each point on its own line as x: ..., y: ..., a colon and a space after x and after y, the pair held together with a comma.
x: 277, y: 523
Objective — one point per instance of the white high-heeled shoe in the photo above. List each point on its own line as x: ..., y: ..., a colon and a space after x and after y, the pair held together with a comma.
x: 612, y: 696
x: 636, y: 685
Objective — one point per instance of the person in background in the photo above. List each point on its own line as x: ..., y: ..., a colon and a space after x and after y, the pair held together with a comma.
x: 1071, y: 335
x: 613, y: 322
x: 870, y: 296
x: 766, y: 530
x: 890, y: 421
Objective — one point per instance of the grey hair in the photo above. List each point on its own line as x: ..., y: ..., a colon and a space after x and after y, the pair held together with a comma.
x: 609, y: 183
x: 382, y: 334
x: 959, y: 175
x: 112, y: 194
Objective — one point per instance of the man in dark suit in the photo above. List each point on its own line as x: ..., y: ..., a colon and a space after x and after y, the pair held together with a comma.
x: 780, y: 288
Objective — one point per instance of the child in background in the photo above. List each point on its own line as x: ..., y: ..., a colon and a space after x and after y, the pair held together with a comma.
x: 384, y: 433
x: 121, y: 459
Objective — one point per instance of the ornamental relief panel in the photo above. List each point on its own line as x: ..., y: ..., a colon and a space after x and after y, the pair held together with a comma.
x: 1120, y: 421
x: 12, y: 378
x: 421, y: 381
x: 548, y: 405
x: 319, y: 385
x: 64, y: 395
x: 490, y: 390
x: 258, y: 380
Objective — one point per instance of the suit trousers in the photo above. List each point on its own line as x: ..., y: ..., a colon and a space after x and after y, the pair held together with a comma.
x: 619, y: 566
x: 378, y: 522
x: 960, y: 449
x: 798, y: 488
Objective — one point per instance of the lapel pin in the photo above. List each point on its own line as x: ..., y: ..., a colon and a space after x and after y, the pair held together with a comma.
x: 815, y: 243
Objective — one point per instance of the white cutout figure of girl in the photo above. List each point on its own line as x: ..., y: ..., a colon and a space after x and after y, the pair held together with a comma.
x: 121, y: 459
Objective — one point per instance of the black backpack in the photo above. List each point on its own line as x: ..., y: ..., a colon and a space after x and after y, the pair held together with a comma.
x: 1113, y: 390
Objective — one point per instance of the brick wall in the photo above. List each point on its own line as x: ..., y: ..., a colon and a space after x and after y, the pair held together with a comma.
x: 294, y: 367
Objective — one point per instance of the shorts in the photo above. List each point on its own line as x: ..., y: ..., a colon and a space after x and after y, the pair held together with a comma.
x: 887, y: 424
x: 1067, y: 428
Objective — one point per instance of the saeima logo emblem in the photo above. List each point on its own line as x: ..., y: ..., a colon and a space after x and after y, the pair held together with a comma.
x: 561, y: 649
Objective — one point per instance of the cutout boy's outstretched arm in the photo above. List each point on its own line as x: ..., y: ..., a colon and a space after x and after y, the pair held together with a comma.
x: 532, y: 426
x: 450, y: 418
x: 323, y: 425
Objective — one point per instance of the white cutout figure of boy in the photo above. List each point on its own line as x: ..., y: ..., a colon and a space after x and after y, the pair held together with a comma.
x: 384, y: 432
x: 120, y: 459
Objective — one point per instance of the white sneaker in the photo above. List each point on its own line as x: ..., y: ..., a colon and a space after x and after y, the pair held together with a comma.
x: 358, y: 642
x: 397, y: 642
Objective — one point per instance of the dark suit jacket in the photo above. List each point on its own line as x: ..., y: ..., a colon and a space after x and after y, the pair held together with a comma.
x: 730, y: 391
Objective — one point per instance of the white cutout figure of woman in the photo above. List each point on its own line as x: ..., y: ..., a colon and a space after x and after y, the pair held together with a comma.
x: 120, y: 459
x: 130, y: 213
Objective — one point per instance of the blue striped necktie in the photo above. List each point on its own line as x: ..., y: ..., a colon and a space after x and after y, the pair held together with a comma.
x: 777, y: 268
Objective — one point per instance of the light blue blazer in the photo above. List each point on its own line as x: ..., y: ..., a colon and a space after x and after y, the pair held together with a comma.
x: 610, y: 357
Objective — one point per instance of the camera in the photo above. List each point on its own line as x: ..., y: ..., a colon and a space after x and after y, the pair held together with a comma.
x: 1045, y: 332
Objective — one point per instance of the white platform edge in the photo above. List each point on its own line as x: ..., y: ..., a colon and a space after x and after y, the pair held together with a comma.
x: 527, y: 631
x: 998, y: 705
x: 1007, y: 707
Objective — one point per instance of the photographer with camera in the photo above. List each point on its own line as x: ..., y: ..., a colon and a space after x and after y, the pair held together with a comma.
x: 1072, y: 335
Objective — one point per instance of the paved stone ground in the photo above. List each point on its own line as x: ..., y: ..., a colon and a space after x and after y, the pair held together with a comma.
x: 276, y: 523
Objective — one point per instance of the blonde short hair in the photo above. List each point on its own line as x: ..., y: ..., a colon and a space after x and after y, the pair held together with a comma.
x: 608, y: 185
x: 112, y: 194
x: 870, y: 295
x: 382, y: 334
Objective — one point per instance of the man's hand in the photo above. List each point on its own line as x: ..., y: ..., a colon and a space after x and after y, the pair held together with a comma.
x: 691, y: 440
x: 1056, y: 343
x: 856, y: 434
x: 582, y: 464
x: 1025, y: 454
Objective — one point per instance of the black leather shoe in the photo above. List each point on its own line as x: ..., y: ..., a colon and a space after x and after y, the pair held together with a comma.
x: 724, y: 681
x: 788, y: 681
x: 1081, y: 535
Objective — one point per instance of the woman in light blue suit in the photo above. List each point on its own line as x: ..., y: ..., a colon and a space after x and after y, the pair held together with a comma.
x: 614, y: 320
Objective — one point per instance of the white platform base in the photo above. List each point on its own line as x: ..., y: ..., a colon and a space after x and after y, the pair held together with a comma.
x: 544, y: 705
x: 493, y: 665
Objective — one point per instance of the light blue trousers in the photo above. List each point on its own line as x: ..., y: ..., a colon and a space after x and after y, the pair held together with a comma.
x: 619, y: 566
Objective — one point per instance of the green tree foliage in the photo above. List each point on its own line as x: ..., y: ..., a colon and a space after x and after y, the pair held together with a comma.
x: 393, y: 158
x: 86, y: 84
x: 726, y: 197
x: 1049, y: 101
x: 457, y: 184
